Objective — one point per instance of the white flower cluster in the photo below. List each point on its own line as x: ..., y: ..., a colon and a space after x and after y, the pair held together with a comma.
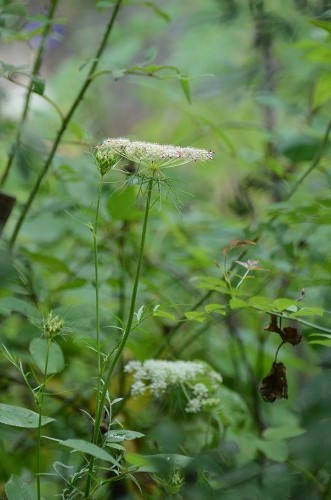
x: 152, y: 155
x: 200, y: 401
x: 157, y: 375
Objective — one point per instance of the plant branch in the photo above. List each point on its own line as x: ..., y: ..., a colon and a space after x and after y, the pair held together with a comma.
x: 65, y: 123
x: 35, y: 72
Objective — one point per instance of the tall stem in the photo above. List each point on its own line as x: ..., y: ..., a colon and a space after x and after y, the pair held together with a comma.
x: 64, y: 125
x: 125, y: 336
x: 41, y: 405
x: 96, y: 279
x: 35, y: 72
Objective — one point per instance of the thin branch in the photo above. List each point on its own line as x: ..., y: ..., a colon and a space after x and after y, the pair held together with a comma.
x: 65, y: 123
x: 35, y: 72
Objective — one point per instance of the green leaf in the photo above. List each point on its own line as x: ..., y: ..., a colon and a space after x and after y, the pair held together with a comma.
x: 322, y: 92
x: 280, y: 433
x: 236, y: 303
x: 324, y: 25
x: 49, y: 262
x: 301, y: 148
x: 260, y: 302
x: 88, y: 448
x: 160, y: 313
x: 233, y: 411
x: 121, y: 205
x: 38, y: 85
x: 325, y: 343
x: 21, y: 417
x: 308, y: 311
x: 151, y: 463
x: 198, y: 316
x: 274, y: 450
x: 38, y: 349
x: 212, y: 283
x: 17, y: 489
x: 215, y: 308
x: 11, y: 304
x: 123, y: 435
x: 282, y: 304
x: 185, y: 85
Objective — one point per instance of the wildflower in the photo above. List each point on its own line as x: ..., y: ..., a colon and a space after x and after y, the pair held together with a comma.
x: 156, y: 376
x: 52, y: 325
x: 152, y: 157
x: 107, y: 157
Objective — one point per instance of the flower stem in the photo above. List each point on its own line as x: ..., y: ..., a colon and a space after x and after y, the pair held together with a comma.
x: 96, y: 278
x: 124, y: 339
x: 65, y: 122
x: 41, y: 405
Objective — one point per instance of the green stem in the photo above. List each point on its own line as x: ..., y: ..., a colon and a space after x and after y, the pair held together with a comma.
x: 96, y: 277
x: 314, y: 163
x: 35, y: 72
x: 65, y: 123
x: 41, y: 404
x: 124, y: 339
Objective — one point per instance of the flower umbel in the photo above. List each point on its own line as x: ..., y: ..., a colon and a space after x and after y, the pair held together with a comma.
x: 156, y: 376
x: 149, y: 155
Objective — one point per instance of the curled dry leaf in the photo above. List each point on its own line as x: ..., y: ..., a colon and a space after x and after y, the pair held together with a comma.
x: 274, y: 385
x: 288, y: 334
x: 241, y: 243
x: 291, y: 335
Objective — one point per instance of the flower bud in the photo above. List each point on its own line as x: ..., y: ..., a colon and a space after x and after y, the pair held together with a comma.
x: 52, y: 325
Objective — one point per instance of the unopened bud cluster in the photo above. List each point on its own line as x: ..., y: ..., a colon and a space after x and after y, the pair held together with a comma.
x: 153, y: 156
x: 52, y: 326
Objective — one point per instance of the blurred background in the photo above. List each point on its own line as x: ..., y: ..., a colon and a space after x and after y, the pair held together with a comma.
x: 248, y: 80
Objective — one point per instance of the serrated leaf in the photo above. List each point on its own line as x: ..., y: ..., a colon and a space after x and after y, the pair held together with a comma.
x: 88, y: 448
x: 123, y: 435
x: 17, y: 489
x: 21, y: 417
x: 38, y: 349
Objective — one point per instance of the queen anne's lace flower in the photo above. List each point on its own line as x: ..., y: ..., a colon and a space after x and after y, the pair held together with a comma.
x: 156, y: 376
x: 150, y: 155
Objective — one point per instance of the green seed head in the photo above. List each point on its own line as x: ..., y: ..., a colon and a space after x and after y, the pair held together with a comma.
x: 52, y: 325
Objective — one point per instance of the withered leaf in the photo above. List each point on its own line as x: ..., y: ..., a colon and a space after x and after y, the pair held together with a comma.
x: 291, y: 335
x: 274, y: 385
x: 225, y: 251
x: 273, y: 326
x: 241, y: 243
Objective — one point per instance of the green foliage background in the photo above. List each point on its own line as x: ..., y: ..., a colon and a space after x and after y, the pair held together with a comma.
x: 250, y: 81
